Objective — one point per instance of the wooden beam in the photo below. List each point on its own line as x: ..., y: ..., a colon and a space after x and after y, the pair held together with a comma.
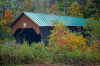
x: 21, y: 31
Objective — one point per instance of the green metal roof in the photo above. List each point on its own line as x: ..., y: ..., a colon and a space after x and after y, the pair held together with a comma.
x: 45, y: 19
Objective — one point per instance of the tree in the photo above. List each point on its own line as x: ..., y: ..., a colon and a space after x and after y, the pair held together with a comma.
x: 6, y: 20
x: 53, y: 10
x: 27, y: 5
x: 93, y: 28
x: 2, y: 5
x: 91, y: 8
x: 41, y: 6
x: 75, y: 10
x: 62, y: 7
x: 4, y: 26
x: 63, y: 38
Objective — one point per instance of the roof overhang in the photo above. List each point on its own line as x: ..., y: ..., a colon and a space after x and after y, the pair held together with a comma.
x: 16, y: 19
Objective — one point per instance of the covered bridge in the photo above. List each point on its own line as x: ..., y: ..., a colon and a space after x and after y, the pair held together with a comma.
x: 34, y: 27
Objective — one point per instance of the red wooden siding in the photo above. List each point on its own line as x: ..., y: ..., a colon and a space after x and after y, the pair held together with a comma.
x: 29, y: 24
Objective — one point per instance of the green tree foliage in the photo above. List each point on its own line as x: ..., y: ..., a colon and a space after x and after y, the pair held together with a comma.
x: 5, y: 35
x: 91, y: 9
x: 5, y: 21
x: 92, y: 12
x: 27, y: 5
x: 2, y: 4
x: 75, y: 10
x: 85, y: 8
x: 61, y: 7
x: 93, y: 28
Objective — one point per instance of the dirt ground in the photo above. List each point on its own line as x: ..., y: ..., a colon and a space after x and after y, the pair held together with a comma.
x: 58, y: 64
x: 46, y: 65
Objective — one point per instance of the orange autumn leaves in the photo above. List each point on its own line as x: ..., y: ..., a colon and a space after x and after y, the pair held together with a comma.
x: 96, y: 45
x: 5, y: 22
x: 53, y: 10
x: 7, y: 19
x: 63, y: 38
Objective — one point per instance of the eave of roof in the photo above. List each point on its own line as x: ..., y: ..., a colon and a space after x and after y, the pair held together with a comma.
x: 16, y: 19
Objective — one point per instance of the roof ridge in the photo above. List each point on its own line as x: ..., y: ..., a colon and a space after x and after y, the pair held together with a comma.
x: 52, y: 15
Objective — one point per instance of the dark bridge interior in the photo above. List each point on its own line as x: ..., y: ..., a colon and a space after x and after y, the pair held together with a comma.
x: 28, y: 34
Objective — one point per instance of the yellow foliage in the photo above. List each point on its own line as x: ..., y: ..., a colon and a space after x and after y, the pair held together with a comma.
x: 62, y: 38
x: 6, y: 20
x: 1, y: 41
x: 75, y: 10
x: 53, y: 10
x: 96, y: 45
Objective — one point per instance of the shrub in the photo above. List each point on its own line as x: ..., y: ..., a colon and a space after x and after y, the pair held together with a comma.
x: 12, y: 53
x: 9, y: 53
x: 41, y: 54
x: 71, y: 48
x: 63, y: 38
